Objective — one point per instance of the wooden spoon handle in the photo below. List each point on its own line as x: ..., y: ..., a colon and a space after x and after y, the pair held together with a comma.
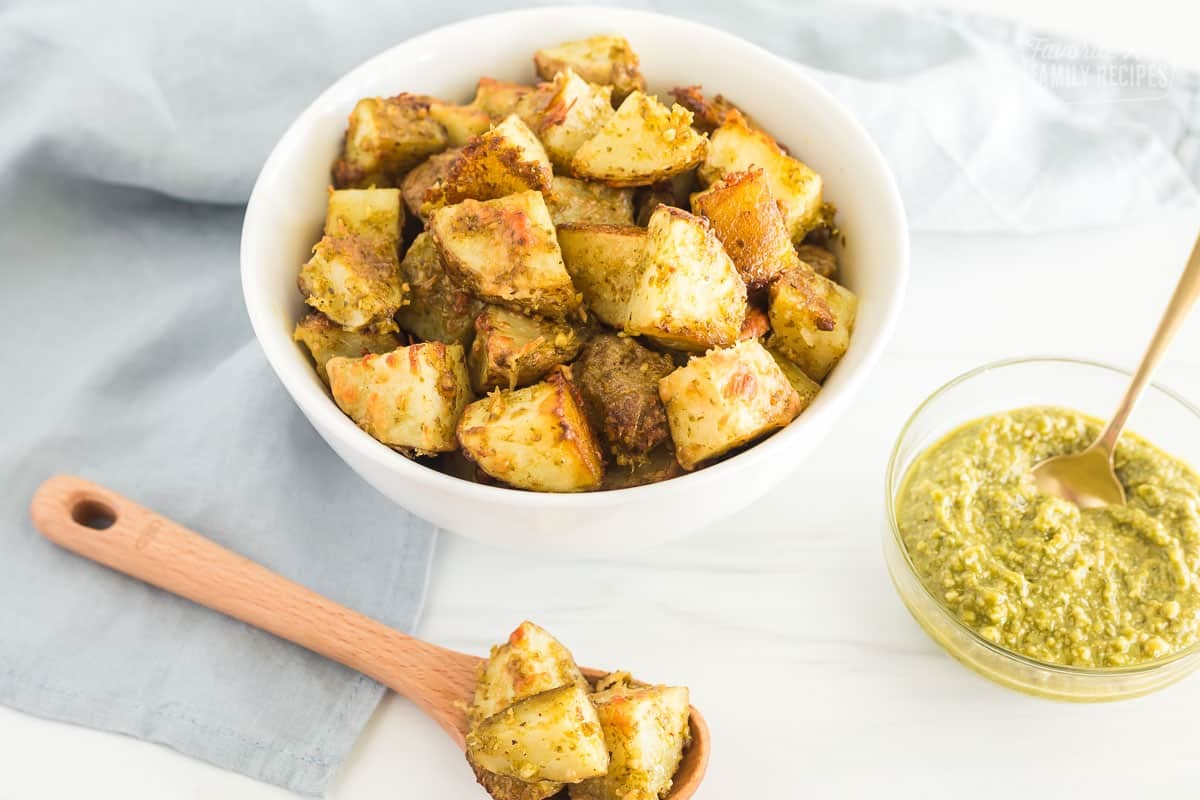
x: 112, y: 530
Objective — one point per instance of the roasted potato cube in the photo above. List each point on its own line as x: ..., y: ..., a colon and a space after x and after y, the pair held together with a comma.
x: 530, y: 662
x: 812, y: 319
x: 606, y: 60
x: 756, y: 325
x: 324, y: 340
x: 822, y: 260
x: 675, y: 191
x: 747, y: 220
x: 513, y: 350
x: 707, y: 115
x: 505, y: 251
x: 725, y: 399
x: 462, y: 123
x: 689, y: 295
x: 374, y: 213
x: 646, y: 730
x: 409, y: 399
x: 535, y: 438
x: 572, y: 200
x: 387, y: 136
x: 805, y: 386
x: 440, y: 311
x: 604, y: 262
x: 552, y: 736
x: 498, y: 99
x: 572, y: 114
x: 420, y: 179
x: 618, y: 379
x: 506, y: 160
x: 642, y: 143
x: 737, y: 147
x: 353, y: 276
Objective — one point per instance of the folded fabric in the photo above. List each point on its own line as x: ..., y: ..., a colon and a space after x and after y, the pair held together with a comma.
x: 131, y: 134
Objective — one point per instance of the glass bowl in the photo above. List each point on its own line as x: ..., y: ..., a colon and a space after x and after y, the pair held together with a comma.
x: 1162, y: 417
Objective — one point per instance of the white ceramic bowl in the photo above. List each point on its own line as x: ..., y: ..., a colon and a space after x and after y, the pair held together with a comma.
x: 287, y: 207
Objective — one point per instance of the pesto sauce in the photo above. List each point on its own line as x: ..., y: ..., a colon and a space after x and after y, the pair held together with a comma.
x: 1108, y: 587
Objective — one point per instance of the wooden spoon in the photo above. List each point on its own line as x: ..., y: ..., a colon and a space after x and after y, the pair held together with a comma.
x: 112, y: 530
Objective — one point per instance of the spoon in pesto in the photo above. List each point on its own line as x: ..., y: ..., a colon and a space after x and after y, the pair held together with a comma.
x: 1088, y: 479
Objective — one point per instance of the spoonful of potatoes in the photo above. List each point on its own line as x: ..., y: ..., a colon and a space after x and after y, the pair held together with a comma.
x: 1088, y: 479
x: 533, y: 724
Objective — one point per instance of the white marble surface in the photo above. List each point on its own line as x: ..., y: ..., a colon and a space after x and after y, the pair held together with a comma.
x: 813, y: 677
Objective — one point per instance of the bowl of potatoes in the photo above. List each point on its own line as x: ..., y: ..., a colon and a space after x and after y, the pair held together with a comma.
x: 603, y: 281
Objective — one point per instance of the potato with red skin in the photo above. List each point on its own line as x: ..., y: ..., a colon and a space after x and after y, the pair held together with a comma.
x: 725, y: 399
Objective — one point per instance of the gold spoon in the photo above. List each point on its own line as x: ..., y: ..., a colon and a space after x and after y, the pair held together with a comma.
x: 112, y: 530
x: 1087, y: 479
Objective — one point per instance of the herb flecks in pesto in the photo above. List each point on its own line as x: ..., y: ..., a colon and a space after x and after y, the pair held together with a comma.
x: 1106, y: 587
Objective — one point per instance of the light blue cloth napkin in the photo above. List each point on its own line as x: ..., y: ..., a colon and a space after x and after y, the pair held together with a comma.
x: 130, y: 135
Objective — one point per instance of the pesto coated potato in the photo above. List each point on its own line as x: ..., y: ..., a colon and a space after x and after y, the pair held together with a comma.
x: 736, y: 146
x: 604, y: 262
x: 505, y: 251
x: 726, y: 399
x: 642, y: 143
x: 353, y: 276
x: 536, y: 438
x: 512, y: 350
x: 409, y: 399
x: 387, y: 136
x: 646, y: 730
x: 586, y: 202
x: 324, y: 339
x: 552, y: 736
x: 505, y: 160
x: 604, y: 60
x: 689, y: 295
x: 530, y: 662
x: 812, y: 318
x: 440, y: 310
